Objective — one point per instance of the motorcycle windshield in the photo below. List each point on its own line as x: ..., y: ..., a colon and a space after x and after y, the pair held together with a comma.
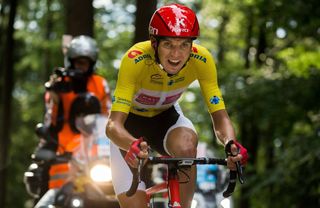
x: 94, y: 144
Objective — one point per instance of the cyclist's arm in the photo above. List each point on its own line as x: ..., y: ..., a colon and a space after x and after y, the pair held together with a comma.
x: 225, y: 132
x: 121, y: 103
x: 116, y: 131
x: 222, y: 126
x: 206, y: 73
x: 208, y: 79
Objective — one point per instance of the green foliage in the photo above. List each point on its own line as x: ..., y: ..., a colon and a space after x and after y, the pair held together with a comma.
x: 302, y: 59
x: 285, y: 113
x: 274, y: 106
x: 114, y: 33
x: 191, y: 100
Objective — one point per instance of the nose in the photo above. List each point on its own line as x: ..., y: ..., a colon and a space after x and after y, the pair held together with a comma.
x: 175, y: 52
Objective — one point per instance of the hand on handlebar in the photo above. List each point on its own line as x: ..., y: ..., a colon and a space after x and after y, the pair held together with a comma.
x: 138, y: 149
x: 237, y: 157
x: 237, y: 153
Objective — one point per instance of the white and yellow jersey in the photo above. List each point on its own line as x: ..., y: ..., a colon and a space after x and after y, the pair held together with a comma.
x: 143, y: 88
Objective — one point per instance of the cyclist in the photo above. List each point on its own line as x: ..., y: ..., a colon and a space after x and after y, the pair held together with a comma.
x: 152, y: 76
x: 62, y: 91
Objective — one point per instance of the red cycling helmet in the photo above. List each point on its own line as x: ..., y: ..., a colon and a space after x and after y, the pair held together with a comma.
x: 174, y: 20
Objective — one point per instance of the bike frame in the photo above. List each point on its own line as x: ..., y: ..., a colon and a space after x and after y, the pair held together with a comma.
x: 174, y: 189
x: 171, y: 184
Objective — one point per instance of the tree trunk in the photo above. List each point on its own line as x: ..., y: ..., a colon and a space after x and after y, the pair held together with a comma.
x: 145, y: 9
x: 221, y: 36
x: 264, y: 8
x: 79, y: 15
x: 248, y: 38
x: 250, y: 133
x: 4, y: 5
x: 47, y: 52
x: 5, y: 137
x: 262, y: 45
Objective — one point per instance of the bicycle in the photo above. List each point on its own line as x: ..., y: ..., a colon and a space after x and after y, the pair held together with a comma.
x: 171, y: 184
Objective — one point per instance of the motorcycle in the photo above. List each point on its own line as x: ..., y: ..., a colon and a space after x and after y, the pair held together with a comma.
x: 89, y: 183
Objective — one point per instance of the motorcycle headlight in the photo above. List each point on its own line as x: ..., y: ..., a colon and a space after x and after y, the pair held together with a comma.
x: 76, y: 202
x: 100, y: 173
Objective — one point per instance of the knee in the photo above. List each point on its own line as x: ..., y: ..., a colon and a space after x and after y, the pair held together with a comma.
x: 187, y: 149
x: 184, y: 145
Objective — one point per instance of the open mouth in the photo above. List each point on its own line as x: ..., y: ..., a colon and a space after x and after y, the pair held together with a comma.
x: 174, y: 62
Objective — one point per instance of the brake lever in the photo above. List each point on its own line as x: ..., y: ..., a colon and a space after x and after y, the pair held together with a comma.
x: 238, y: 164
x: 240, y: 172
x: 233, y: 174
x: 140, y: 166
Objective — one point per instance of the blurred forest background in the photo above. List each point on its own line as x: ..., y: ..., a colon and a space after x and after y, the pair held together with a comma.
x: 268, y: 60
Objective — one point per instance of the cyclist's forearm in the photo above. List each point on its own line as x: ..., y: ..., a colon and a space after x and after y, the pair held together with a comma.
x: 123, y: 141
x: 118, y: 134
x: 222, y: 126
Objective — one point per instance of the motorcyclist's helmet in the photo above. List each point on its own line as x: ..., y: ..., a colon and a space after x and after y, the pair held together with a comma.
x: 33, y: 180
x: 84, y: 104
x: 82, y: 46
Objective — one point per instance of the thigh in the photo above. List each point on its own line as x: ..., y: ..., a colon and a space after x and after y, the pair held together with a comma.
x: 121, y: 172
x: 152, y: 129
x: 181, y: 139
x: 122, y: 179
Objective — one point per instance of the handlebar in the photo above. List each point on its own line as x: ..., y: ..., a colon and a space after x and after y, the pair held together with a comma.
x: 186, y: 162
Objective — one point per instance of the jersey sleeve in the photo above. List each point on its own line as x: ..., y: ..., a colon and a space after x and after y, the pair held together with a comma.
x: 105, y: 98
x: 207, y: 77
x: 125, y: 87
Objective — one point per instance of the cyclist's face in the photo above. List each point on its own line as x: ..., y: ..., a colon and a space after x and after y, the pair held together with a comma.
x: 81, y: 63
x: 174, y: 53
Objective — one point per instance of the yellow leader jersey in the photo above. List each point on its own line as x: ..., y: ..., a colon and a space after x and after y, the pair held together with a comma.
x: 143, y: 88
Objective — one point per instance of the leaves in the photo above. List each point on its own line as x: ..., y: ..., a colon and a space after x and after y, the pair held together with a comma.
x: 273, y: 101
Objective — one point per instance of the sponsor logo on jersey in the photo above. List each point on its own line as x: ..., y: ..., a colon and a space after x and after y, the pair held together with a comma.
x: 142, y: 57
x: 194, y: 50
x: 120, y: 100
x: 198, y: 57
x: 134, y: 53
x: 153, y: 100
x: 156, y: 78
x: 171, y: 82
x: 171, y: 99
x: 140, y: 109
x: 147, y: 99
x: 215, y: 100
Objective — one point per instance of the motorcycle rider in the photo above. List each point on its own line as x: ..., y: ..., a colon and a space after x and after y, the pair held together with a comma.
x: 64, y: 86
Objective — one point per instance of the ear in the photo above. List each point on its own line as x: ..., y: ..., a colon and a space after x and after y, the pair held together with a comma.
x: 154, y: 42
